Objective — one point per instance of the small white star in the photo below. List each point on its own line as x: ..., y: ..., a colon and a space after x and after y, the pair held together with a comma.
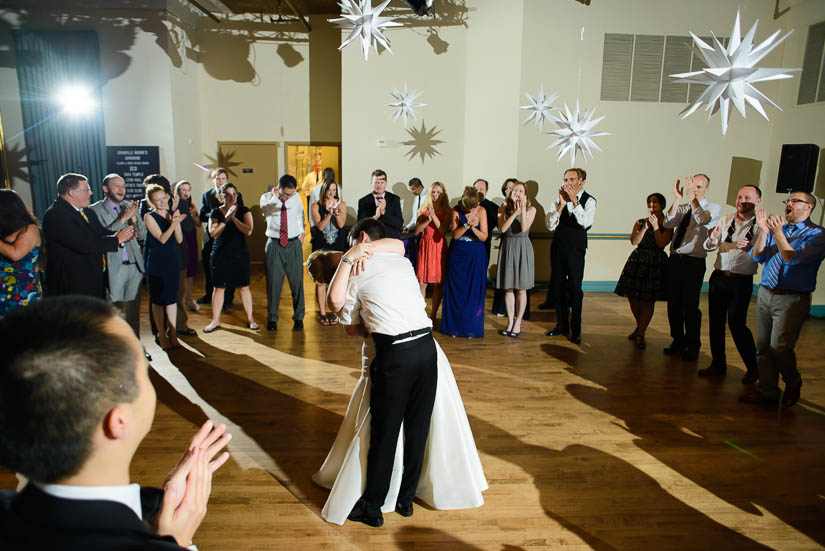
x: 405, y: 104
x: 540, y: 108
x: 730, y: 72
x: 575, y: 133
x: 366, y: 22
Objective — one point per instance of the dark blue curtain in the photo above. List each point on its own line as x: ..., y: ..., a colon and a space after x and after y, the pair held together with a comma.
x: 57, y: 143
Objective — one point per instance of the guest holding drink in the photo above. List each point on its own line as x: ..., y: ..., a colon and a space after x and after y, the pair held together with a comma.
x: 432, y: 225
x: 516, y: 266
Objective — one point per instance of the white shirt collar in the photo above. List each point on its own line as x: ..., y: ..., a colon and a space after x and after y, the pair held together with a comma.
x: 128, y: 495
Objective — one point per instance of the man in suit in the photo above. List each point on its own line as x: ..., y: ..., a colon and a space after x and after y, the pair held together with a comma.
x: 409, y: 236
x: 382, y: 205
x: 75, y: 403
x: 491, y: 209
x: 125, y: 267
x: 210, y: 200
x: 382, y: 302
x: 571, y: 216
x: 76, y: 242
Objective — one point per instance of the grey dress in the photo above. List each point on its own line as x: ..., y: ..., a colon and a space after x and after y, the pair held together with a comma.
x: 516, y: 267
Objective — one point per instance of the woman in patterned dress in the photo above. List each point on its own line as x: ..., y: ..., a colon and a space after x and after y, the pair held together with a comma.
x: 20, y: 242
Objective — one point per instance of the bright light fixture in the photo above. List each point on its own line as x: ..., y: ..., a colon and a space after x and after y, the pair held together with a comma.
x: 76, y: 100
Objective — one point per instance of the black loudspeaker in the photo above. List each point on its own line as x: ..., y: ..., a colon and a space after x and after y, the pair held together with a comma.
x: 797, y: 168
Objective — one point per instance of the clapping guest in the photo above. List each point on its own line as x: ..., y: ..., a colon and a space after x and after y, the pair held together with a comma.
x: 643, y: 277
x: 499, y: 307
x: 230, y: 225
x: 516, y: 266
x: 432, y: 225
x: 162, y: 239
x: 183, y: 190
x: 329, y: 214
x: 466, y: 274
x: 20, y: 242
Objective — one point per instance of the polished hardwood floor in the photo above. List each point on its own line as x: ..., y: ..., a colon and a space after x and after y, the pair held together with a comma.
x: 599, y: 446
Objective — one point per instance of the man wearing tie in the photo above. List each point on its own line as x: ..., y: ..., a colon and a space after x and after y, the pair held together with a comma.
x: 410, y: 239
x: 125, y: 266
x: 731, y: 285
x: 284, y: 212
x: 76, y: 243
x: 382, y: 205
x: 791, y: 253
x: 686, y: 266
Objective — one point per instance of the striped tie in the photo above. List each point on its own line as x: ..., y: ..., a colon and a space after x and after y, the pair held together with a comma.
x: 776, y: 263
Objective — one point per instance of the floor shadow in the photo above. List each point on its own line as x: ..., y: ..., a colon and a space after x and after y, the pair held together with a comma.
x: 419, y: 538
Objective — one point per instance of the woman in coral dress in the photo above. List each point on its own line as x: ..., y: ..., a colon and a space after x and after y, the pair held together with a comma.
x: 433, y: 225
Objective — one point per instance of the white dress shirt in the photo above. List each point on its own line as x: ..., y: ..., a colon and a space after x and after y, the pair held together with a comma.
x: 730, y: 258
x: 271, y: 207
x: 314, y: 196
x: 703, y: 219
x: 385, y: 297
x: 584, y: 215
x: 417, y: 201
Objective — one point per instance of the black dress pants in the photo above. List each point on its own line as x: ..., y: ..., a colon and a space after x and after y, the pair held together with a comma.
x: 684, y: 285
x: 404, y: 378
x: 567, y: 266
x: 728, y: 300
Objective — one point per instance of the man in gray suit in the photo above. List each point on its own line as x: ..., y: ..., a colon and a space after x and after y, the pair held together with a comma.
x: 125, y: 266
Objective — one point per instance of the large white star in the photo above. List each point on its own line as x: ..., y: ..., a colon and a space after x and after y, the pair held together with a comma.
x: 404, y: 104
x: 575, y: 133
x: 730, y: 72
x: 540, y: 108
x: 366, y: 22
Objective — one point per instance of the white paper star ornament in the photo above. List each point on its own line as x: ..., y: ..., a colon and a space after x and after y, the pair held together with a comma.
x: 404, y: 104
x: 729, y: 74
x: 540, y: 108
x: 365, y: 22
x: 575, y: 133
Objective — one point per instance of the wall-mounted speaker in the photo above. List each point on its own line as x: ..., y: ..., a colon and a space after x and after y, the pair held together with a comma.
x: 797, y: 168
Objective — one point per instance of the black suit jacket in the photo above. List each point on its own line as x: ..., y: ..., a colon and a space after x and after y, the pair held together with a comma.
x: 74, y: 251
x: 392, y: 217
x: 491, y: 209
x: 34, y: 520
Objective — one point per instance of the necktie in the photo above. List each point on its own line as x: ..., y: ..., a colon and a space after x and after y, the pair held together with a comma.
x: 681, y: 230
x: 776, y: 263
x: 120, y: 210
x: 102, y: 255
x: 283, y: 237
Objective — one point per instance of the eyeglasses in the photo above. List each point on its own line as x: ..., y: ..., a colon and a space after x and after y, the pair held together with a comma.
x: 796, y: 201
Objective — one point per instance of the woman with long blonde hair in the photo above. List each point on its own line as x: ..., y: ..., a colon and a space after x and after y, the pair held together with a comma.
x: 432, y: 250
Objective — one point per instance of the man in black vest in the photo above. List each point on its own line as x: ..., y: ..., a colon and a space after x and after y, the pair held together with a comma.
x: 571, y: 216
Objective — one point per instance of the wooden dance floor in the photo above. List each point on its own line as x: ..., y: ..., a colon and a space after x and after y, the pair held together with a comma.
x: 601, y: 447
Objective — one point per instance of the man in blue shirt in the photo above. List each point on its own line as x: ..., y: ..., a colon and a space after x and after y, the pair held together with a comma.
x: 791, y: 253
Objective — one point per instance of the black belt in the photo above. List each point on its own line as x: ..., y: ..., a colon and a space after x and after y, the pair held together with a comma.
x: 126, y: 262
x: 384, y: 340
x: 680, y: 256
x: 290, y: 240
x: 787, y: 292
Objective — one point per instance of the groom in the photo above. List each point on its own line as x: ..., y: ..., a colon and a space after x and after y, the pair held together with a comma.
x: 385, y: 302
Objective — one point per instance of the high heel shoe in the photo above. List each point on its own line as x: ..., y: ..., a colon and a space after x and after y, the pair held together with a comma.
x: 632, y: 336
x: 504, y: 333
x: 640, y: 342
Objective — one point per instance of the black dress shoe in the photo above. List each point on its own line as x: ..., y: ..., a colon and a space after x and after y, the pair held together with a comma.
x: 359, y: 514
x: 272, y: 326
x: 576, y: 339
x: 545, y: 306
x: 712, y: 371
x: 187, y: 332
x: 555, y: 332
x: 791, y: 394
x: 204, y: 300
x: 298, y: 325
x: 405, y: 510
x: 674, y: 349
x: 690, y: 355
x: 757, y: 398
x: 750, y: 377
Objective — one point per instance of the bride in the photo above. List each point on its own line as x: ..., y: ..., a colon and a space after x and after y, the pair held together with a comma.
x: 451, y: 477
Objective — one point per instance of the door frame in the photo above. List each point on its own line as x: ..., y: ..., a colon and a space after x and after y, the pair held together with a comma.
x: 338, y: 174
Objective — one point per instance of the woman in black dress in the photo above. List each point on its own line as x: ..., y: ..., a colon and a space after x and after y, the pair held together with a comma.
x: 643, y: 277
x: 230, y: 225
x: 162, y: 261
x: 329, y: 214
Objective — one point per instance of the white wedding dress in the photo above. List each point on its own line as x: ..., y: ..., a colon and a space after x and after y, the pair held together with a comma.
x: 451, y: 477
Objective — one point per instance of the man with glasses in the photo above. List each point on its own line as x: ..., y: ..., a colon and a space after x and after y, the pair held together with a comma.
x: 76, y: 242
x: 791, y: 253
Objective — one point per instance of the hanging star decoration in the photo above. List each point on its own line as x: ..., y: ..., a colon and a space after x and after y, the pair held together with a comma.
x: 575, y: 133
x: 404, y: 104
x: 540, y: 108
x: 730, y: 73
x: 365, y: 22
x: 423, y: 142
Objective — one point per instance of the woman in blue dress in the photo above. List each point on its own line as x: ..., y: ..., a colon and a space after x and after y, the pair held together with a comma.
x: 462, y: 314
x: 163, y: 235
x: 19, y: 250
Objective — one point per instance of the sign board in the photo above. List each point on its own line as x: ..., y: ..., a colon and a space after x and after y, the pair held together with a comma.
x: 133, y: 163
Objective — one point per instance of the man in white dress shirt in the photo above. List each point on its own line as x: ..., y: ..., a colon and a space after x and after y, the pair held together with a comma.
x: 691, y: 223
x: 731, y: 285
x: 384, y: 301
x: 408, y: 232
x: 75, y: 403
x: 284, y: 212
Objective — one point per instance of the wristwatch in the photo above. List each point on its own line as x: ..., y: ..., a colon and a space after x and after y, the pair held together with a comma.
x: 345, y: 258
